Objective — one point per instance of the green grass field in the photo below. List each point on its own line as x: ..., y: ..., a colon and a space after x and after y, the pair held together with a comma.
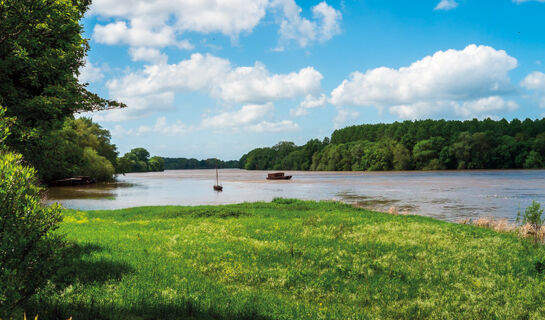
x: 288, y: 259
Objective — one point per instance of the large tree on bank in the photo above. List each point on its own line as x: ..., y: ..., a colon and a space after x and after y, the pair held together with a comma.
x: 41, y: 51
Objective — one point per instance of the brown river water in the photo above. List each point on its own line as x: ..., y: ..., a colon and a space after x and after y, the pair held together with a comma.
x: 446, y: 195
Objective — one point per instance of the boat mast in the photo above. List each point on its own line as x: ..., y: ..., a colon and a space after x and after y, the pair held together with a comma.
x: 217, y: 179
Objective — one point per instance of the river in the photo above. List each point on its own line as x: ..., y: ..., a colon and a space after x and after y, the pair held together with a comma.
x: 446, y: 195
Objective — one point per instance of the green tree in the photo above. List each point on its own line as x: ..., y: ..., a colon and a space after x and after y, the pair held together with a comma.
x: 91, y: 134
x: 141, y: 154
x: 462, y: 150
x: 41, y: 52
x: 402, y: 157
x: 123, y: 165
x: 533, y: 161
x: 156, y: 164
x: 378, y: 157
x: 423, y: 144
x: 96, y: 166
x: 67, y: 156
x: 427, y: 150
x: 29, y: 248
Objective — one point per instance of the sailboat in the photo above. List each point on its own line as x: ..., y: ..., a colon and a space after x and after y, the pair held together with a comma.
x: 217, y: 186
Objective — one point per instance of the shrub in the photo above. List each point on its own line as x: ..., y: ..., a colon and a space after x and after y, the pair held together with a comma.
x: 533, y: 161
x: 533, y: 218
x: 96, y: 166
x: 29, y: 249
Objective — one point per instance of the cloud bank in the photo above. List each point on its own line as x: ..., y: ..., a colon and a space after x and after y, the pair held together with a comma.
x: 159, y: 23
x: 459, y: 83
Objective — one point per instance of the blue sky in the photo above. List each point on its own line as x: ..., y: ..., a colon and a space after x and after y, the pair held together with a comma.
x: 218, y: 78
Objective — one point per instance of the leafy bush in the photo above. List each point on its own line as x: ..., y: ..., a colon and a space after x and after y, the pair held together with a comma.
x: 533, y: 161
x: 533, y: 216
x: 96, y: 166
x: 29, y: 249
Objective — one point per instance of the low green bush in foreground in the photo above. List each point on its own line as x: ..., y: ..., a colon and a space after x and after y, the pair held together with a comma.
x: 288, y: 259
x: 29, y: 248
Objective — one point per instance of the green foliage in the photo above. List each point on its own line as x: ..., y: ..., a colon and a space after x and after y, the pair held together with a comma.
x: 123, y: 165
x: 138, y: 160
x: 402, y: 157
x: 533, y: 161
x: 41, y: 52
x: 421, y: 145
x: 140, y: 154
x: 68, y: 152
x: 426, y: 151
x: 96, y: 166
x: 289, y: 259
x: 533, y: 215
x: 156, y: 164
x: 184, y: 163
x: 29, y: 250
x: 91, y: 135
x: 283, y: 156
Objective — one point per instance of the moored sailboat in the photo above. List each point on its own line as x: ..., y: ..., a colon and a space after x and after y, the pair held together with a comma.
x: 217, y: 186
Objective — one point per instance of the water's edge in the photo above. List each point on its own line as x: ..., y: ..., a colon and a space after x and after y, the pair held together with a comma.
x: 446, y: 195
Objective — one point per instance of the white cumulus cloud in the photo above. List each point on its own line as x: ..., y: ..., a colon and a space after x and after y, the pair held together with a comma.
x: 308, y: 103
x: 148, y: 55
x: 432, y: 85
x: 229, y: 17
x: 138, y: 33
x: 479, y: 108
x: 209, y: 75
x: 161, y: 126
x: 278, y: 126
x: 160, y: 23
x: 293, y: 26
x: 250, y: 118
x: 90, y: 73
x: 446, y: 5
x: 248, y: 114
x: 344, y: 117
x: 535, y: 81
x: 138, y: 107
x: 256, y: 84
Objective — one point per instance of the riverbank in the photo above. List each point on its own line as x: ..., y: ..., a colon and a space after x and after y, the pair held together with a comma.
x: 288, y: 259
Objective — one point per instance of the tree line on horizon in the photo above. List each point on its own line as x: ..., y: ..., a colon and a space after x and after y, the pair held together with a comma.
x: 192, y: 163
x: 138, y: 160
x: 412, y: 145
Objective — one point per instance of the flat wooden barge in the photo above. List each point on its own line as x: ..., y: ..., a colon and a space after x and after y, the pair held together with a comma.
x: 278, y: 176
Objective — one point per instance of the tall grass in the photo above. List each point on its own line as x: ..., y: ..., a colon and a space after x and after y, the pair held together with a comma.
x: 288, y: 259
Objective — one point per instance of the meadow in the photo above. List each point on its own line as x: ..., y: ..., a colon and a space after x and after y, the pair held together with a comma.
x: 288, y: 259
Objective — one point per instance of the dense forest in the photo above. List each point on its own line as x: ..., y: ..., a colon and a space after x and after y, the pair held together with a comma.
x: 184, y: 163
x: 412, y: 145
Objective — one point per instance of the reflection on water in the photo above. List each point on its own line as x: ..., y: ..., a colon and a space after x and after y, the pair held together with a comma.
x: 447, y: 195
x: 99, y: 191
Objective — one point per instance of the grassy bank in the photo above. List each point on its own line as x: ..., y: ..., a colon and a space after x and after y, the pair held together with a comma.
x: 288, y: 260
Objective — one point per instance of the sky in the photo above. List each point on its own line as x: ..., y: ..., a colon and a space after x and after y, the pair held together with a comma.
x: 218, y: 78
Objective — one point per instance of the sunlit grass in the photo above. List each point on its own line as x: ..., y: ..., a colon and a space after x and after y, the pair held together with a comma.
x: 289, y: 260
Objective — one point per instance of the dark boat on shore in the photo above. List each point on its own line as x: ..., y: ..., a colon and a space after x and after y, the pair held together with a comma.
x: 278, y: 176
x: 217, y: 186
x: 74, y: 181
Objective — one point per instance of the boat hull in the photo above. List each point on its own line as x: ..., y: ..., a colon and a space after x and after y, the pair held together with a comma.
x: 279, y: 178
